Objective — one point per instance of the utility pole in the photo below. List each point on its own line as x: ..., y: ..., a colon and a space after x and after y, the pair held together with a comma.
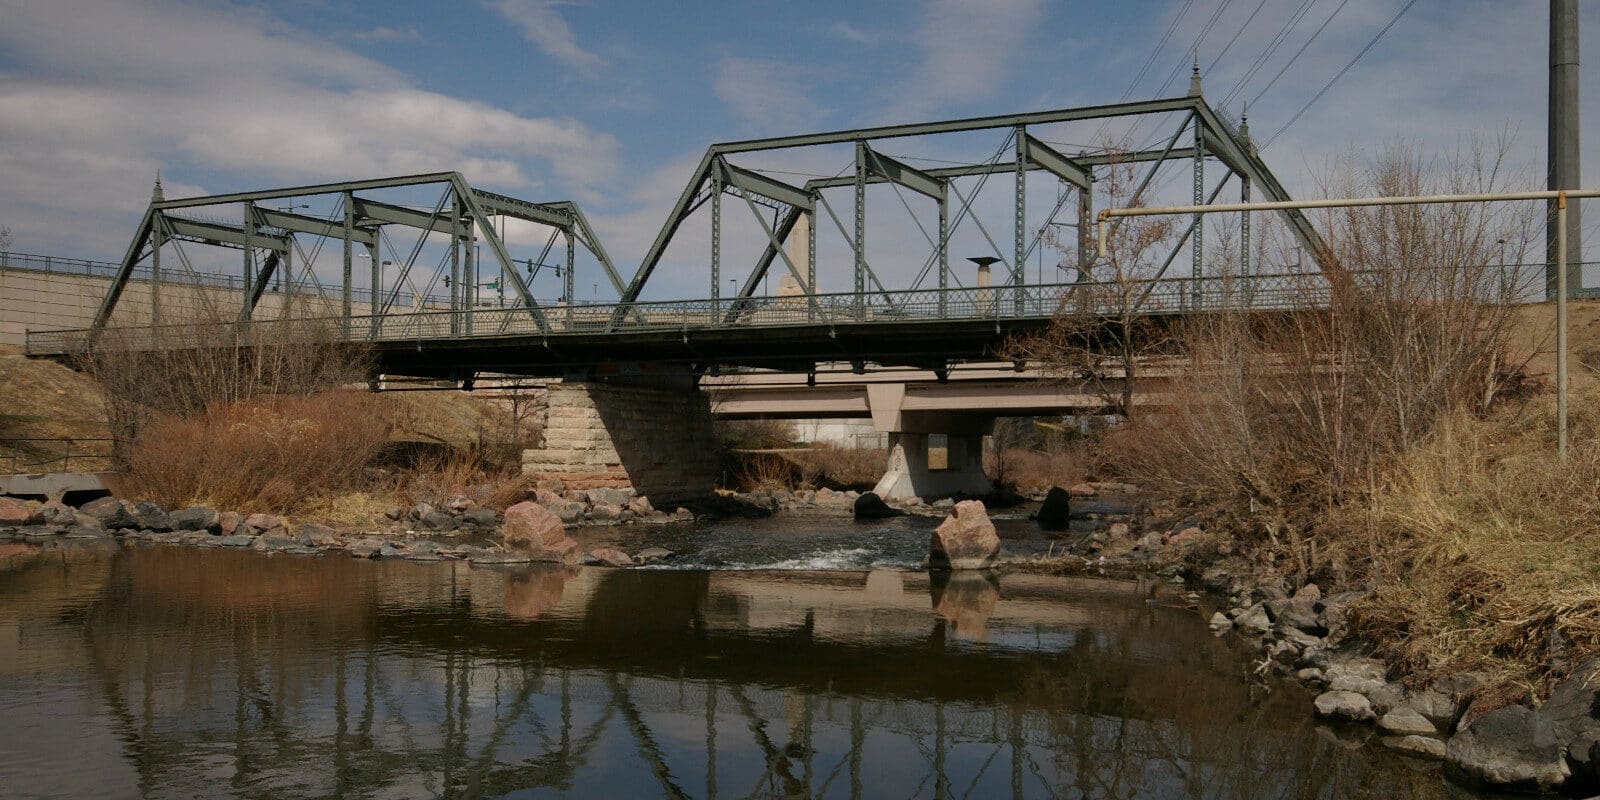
x: 1563, y: 144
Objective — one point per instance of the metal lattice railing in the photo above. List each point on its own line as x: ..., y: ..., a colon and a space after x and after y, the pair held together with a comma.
x: 1496, y: 283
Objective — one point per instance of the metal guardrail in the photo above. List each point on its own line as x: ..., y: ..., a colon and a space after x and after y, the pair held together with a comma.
x: 1044, y: 301
x: 177, y: 276
x: 23, y: 456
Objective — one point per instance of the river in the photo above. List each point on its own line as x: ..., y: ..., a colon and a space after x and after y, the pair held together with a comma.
x: 799, y: 657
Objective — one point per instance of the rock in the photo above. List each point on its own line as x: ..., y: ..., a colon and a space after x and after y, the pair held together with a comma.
x: 236, y: 541
x: 393, y: 513
x: 1311, y: 676
x: 610, y: 497
x: 262, y: 522
x: 56, y: 512
x: 1299, y: 613
x: 569, y: 511
x: 1055, y: 513
x: 1082, y: 490
x: 605, y: 512
x: 438, y: 521
x: 363, y: 549
x: 1404, y: 721
x: 1434, y: 706
x: 1574, y: 711
x: 550, y: 485
x: 111, y: 512
x: 965, y: 540
x: 1220, y: 622
x: 459, y: 503
x: 654, y: 554
x: 481, y: 518
x: 641, y: 506
x: 1309, y: 593
x: 16, y: 512
x: 196, y: 518
x: 420, y: 510
x: 1351, y: 674
x: 1511, y: 748
x: 1149, y: 542
x: 317, y: 535
x: 944, y: 503
x: 611, y: 556
x: 1299, y: 638
x: 150, y: 516
x: 229, y: 521
x: 1253, y: 621
x: 1344, y: 706
x: 871, y: 506
x: 537, y: 531
x: 1425, y: 747
x: 549, y: 499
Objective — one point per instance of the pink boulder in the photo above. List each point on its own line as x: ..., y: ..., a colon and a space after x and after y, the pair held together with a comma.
x: 16, y: 512
x: 965, y: 540
x: 536, y: 530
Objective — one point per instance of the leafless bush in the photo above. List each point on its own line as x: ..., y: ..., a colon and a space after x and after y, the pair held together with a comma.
x: 754, y: 434
x: 836, y: 467
x: 269, y: 453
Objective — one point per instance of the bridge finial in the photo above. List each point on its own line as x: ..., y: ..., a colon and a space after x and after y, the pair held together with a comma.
x: 1194, y: 77
x: 156, y: 194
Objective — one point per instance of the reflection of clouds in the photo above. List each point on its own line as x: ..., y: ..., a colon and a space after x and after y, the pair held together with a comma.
x: 965, y: 598
x: 532, y: 592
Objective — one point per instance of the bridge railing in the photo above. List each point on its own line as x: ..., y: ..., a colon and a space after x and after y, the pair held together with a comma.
x: 1008, y: 302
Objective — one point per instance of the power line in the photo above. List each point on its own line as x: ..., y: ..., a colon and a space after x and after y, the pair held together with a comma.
x: 1298, y: 53
x: 1340, y: 73
x: 1267, y: 52
x: 1249, y: 18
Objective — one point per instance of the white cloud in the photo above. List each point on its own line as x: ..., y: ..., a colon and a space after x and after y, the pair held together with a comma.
x: 967, y: 52
x: 384, y: 33
x: 228, y: 89
x: 543, y: 25
x: 851, y: 33
x: 770, y: 95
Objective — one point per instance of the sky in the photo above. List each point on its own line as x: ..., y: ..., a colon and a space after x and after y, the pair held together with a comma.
x: 611, y: 104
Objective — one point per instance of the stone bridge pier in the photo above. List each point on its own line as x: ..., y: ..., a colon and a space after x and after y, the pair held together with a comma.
x: 652, y: 435
x: 909, y: 472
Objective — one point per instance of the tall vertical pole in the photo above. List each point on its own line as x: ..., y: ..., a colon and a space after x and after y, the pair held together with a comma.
x: 1019, y: 271
x: 572, y: 258
x: 1563, y: 145
x: 286, y: 279
x: 1561, y: 325
x: 455, y: 266
x: 811, y: 254
x: 156, y: 240
x: 349, y: 230
x: 376, y: 301
x: 860, y: 285
x: 716, y: 240
x: 1197, y: 254
x: 944, y: 252
x: 249, y: 261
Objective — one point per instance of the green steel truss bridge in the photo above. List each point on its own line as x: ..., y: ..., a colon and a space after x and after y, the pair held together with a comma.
x: 454, y: 332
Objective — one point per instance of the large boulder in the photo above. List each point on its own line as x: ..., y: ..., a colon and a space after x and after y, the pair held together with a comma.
x: 1406, y: 721
x: 111, y: 512
x: 438, y: 521
x: 198, y: 518
x: 537, y: 531
x: 871, y: 506
x: 150, y: 517
x: 1574, y: 712
x: 965, y: 540
x: 1512, y: 748
x: 1344, y: 707
x: 1055, y: 513
x: 16, y: 512
x: 612, y: 557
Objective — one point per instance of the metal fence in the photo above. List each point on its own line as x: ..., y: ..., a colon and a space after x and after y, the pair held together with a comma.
x: 1495, y: 283
x: 23, y: 456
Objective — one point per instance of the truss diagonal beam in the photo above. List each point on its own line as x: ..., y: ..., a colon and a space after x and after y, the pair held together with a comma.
x: 215, y: 233
x: 901, y: 173
x: 372, y: 211
x: 300, y: 223
x: 1045, y: 157
x: 763, y: 186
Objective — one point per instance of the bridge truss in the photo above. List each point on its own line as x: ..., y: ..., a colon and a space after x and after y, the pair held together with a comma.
x: 270, y: 232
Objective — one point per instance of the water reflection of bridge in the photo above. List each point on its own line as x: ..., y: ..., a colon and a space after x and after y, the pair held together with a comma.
x: 227, y: 673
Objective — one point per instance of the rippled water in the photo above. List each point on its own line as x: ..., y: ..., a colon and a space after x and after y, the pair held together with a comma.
x: 167, y: 672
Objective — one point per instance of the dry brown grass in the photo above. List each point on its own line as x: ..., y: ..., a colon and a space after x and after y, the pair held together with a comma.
x: 1482, y: 547
x: 835, y: 467
x: 1030, y: 470
x: 265, y: 454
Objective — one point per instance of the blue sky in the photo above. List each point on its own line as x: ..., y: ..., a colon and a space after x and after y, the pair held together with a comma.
x: 611, y: 103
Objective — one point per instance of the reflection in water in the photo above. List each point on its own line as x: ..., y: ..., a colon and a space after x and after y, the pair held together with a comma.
x: 168, y: 672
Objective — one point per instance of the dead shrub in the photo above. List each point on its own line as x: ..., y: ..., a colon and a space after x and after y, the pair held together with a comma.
x: 754, y: 434
x: 267, y: 453
x: 827, y: 465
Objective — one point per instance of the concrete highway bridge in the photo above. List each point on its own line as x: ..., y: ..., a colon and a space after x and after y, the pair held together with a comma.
x: 338, y: 261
